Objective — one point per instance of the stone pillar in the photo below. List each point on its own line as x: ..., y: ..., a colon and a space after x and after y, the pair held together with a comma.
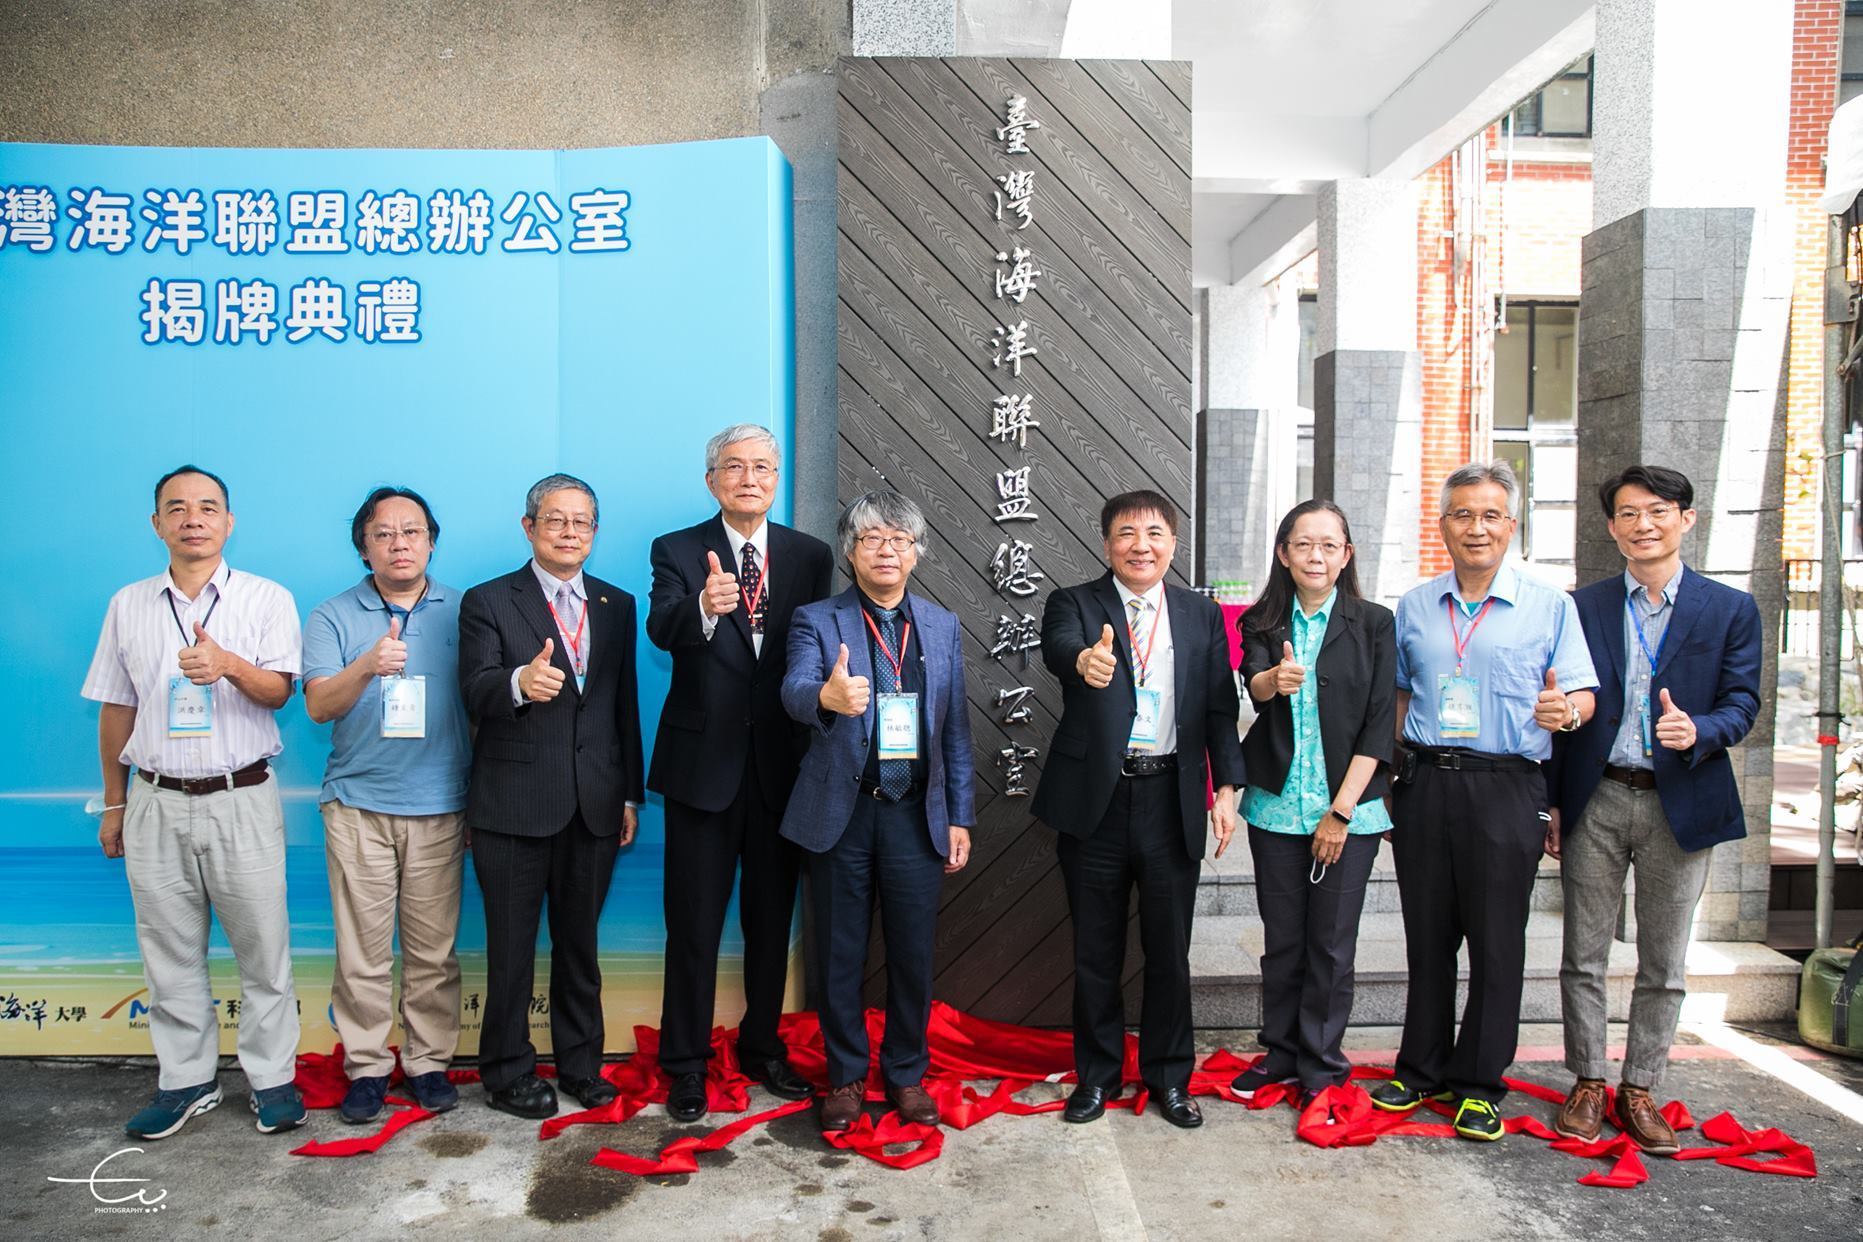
x: 1368, y: 376
x: 1685, y: 296
x: 1249, y: 357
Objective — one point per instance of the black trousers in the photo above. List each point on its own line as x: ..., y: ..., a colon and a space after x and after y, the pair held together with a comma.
x: 704, y: 851
x: 1139, y: 842
x: 1467, y: 847
x: 886, y: 851
x: 570, y: 868
x: 1309, y: 948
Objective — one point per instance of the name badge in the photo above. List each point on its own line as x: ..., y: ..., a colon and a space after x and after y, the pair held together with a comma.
x: 899, y: 726
x: 404, y: 707
x: 1643, y: 720
x: 1145, y: 720
x: 190, y: 708
x: 1458, y: 705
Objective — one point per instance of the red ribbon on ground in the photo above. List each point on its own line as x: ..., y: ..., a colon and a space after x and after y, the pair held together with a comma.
x: 966, y: 1049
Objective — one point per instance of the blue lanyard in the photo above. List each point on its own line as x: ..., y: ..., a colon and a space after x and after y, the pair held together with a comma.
x: 1654, y: 657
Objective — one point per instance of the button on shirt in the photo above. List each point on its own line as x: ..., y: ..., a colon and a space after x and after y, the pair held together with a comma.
x: 1305, y: 796
x: 393, y: 775
x: 1627, y: 749
x: 139, y: 651
x: 1161, y: 668
x: 761, y: 541
x: 1531, y: 627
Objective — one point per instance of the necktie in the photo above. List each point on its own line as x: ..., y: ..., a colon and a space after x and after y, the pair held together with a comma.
x: 573, y: 638
x: 895, y: 774
x: 750, y: 580
x: 1141, y: 649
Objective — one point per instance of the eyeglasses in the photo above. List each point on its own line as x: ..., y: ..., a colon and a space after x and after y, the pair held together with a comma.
x: 383, y: 536
x: 758, y: 470
x: 1329, y: 549
x: 556, y: 524
x: 898, y: 543
x: 1468, y: 517
x: 1655, y: 513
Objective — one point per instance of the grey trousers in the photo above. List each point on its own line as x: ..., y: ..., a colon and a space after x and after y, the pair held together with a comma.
x: 1622, y: 829
x: 189, y: 858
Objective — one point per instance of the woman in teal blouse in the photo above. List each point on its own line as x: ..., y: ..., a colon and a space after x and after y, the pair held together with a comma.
x: 1320, y: 663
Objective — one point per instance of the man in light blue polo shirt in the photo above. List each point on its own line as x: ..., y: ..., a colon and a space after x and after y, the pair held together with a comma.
x: 1490, y: 663
x: 381, y: 661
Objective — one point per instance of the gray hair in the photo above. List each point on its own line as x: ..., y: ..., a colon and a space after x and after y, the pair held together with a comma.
x: 1497, y: 472
x: 559, y: 483
x: 737, y: 433
x: 876, y: 509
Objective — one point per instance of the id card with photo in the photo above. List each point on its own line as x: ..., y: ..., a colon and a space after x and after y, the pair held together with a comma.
x: 1458, y: 705
x: 899, y: 726
x: 404, y: 706
x: 1145, y: 724
x: 190, y: 709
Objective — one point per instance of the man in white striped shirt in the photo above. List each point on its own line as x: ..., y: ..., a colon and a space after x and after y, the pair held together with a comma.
x: 190, y: 669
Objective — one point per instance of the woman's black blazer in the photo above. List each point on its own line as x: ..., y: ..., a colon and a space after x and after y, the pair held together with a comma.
x: 1356, y: 676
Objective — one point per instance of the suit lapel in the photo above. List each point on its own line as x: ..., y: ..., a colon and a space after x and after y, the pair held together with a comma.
x: 1177, y: 607
x: 1612, y: 626
x: 535, y: 609
x: 1115, y: 615
x: 781, y: 588
x: 1689, y: 598
x: 1345, y: 616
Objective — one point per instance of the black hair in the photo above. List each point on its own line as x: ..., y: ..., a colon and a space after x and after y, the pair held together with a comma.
x: 1272, y: 609
x: 1142, y: 501
x: 1672, y: 485
x: 226, y: 497
x: 376, y: 497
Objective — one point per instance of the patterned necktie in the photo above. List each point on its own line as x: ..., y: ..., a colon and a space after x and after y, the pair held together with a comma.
x: 566, y: 622
x: 895, y: 774
x: 750, y: 578
x: 1140, y: 648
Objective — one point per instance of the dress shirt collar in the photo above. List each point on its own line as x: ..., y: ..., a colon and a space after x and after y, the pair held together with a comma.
x: 1320, y: 615
x: 904, y: 609
x: 551, y: 583
x: 1669, y: 590
x: 760, y: 538
x: 1153, y: 597
x: 1505, y: 587
x: 368, y: 596
x: 221, y: 575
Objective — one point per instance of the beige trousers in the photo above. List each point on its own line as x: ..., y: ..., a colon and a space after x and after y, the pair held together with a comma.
x: 381, y: 866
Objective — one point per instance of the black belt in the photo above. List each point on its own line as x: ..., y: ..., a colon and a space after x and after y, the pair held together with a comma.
x: 1455, y: 759
x: 251, y: 774
x: 1634, y: 778
x: 1147, y: 765
x: 871, y: 789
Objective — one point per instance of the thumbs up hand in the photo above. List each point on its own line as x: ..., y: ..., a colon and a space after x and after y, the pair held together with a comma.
x: 1675, y: 728
x: 720, y: 594
x: 389, y: 656
x: 540, y: 681
x: 1552, y: 711
x: 1096, y: 664
x: 206, y: 661
x: 1289, y: 674
x: 842, y: 693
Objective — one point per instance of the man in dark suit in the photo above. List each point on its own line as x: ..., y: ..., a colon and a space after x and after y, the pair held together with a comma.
x: 1646, y: 786
x: 883, y: 804
x: 546, y: 663
x: 725, y: 759
x: 1148, y: 713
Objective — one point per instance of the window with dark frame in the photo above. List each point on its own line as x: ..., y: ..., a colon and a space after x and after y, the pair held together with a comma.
x: 1850, y: 57
x: 1561, y: 108
x: 1535, y: 386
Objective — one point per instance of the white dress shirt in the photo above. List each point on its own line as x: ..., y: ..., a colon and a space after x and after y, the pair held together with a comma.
x: 760, y: 540
x: 1161, y: 669
x: 550, y: 584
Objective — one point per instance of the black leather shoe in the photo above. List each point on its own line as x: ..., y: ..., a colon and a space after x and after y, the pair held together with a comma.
x: 590, y: 1092
x: 685, y: 1100
x: 780, y: 1079
x: 529, y: 1096
x: 1176, y: 1107
x: 1087, y: 1104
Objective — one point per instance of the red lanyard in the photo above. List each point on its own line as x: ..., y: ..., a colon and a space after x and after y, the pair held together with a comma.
x: 897, y: 661
x: 574, y: 644
x: 1142, y: 662
x: 763, y: 580
x: 1463, y: 639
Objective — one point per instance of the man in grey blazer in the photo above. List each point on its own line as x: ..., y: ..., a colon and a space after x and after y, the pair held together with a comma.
x: 883, y: 802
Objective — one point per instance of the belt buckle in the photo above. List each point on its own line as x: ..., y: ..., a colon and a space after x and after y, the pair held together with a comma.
x: 1455, y: 761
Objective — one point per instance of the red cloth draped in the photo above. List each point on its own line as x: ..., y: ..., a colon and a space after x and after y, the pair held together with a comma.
x: 966, y: 1049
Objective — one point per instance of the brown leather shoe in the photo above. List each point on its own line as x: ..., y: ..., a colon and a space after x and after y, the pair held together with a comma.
x: 841, y: 1105
x: 1638, y: 1117
x: 1582, y: 1114
x: 914, y: 1105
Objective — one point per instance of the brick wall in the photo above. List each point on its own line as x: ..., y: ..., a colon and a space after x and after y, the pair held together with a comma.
x: 1816, y: 40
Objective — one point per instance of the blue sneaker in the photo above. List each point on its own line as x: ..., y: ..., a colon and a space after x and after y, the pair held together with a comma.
x: 279, y: 1108
x: 170, y: 1110
x: 363, y: 1101
x: 433, y: 1091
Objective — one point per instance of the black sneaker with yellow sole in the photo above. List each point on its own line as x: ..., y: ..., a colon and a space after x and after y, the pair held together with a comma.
x: 1478, y: 1120
x: 1394, y: 1097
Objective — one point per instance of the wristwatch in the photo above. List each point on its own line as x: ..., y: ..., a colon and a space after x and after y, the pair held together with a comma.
x: 1576, y: 719
x: 1344, y: 819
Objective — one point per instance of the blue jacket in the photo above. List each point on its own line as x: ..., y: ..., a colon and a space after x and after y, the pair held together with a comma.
x: 828, y: 785
x: 1711, y: 668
